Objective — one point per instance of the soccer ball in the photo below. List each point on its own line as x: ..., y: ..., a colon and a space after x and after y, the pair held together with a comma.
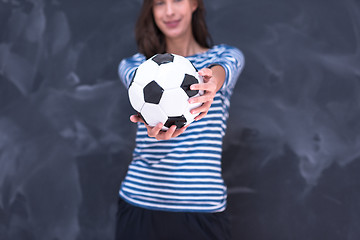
x: 160, y: 90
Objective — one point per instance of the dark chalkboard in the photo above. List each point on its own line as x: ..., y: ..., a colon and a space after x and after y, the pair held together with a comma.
x: 291, y: 155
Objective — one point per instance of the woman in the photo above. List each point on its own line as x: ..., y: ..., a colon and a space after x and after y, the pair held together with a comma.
x: 173, y: 188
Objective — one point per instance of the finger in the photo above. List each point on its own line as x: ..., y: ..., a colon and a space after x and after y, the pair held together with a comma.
x: 154, y: 131
x: 168, y: 134
x: 203, y: 108
x: 197, y: 86
x: 179, y: 131
x: 200, y: 86
x: 207, y: 97
x: 136, y: 118
x: 207, y: 86
x: 200, y: 116
x: 205, y: 72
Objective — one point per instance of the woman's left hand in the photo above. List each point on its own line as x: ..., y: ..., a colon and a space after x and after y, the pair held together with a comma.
x: 210, y: 87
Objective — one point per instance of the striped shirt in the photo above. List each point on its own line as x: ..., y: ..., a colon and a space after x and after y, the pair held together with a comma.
x: 183, y: 173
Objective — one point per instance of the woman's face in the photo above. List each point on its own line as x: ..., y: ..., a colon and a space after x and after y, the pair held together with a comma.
x: 173, y: 17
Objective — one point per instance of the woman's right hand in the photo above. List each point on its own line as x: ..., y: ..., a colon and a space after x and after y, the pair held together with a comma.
x: 156, y: 131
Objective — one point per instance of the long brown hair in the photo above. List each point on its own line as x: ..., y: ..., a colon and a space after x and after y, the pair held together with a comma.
x: 150, y: 40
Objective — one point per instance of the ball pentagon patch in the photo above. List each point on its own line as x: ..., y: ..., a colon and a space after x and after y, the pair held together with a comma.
x: 163, y: 58
x: 188, y: 81
x: 153, y: 92
x: 179, y: 122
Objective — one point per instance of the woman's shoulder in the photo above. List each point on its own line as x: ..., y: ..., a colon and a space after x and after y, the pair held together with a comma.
x: 224, y: 48
x: 137, y: 57
x: 223, y: 52
x: 131, y: 62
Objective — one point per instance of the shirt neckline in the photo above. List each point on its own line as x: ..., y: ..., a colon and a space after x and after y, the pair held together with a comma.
x: 203, y: 53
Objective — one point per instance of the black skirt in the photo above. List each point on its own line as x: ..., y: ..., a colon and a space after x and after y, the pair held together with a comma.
x: 135, y: 223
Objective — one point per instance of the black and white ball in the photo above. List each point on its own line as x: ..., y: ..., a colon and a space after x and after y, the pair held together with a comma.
x: 160, y: 90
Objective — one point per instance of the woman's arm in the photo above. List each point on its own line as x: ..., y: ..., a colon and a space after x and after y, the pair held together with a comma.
x: 214, y: 78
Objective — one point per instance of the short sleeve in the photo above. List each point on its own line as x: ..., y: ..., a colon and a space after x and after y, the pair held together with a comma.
x: 128, y: 66
x: 233, y: 61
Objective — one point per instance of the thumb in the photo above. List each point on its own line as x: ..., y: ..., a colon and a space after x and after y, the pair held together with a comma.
x: 135, y: 119
x: 206, y: 73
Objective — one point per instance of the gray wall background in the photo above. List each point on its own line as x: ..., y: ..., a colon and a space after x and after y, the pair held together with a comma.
x: 292, y: 150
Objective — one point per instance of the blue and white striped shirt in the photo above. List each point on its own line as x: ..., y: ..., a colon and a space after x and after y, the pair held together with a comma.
x: 183, y: 173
